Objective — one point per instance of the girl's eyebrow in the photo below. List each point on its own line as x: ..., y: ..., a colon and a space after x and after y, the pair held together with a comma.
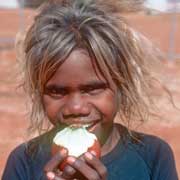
x: 94, y: 84
x: 56, y: 86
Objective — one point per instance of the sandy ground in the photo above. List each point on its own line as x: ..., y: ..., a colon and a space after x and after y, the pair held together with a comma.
x: 13, y: 112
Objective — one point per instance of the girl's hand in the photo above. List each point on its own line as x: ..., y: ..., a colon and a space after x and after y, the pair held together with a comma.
x: 85, y: 167
x: 51, y: 168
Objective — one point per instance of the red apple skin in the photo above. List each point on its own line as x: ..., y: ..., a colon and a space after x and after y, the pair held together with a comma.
x: 96, y: 148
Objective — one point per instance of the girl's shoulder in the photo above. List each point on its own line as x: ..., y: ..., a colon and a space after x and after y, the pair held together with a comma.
x: 149, y: 144
x: 156, y: 154
x: 142, y: 142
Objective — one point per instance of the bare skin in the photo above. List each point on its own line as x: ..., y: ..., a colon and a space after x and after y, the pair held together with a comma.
x: 79, y: 94
x: 88, y: 166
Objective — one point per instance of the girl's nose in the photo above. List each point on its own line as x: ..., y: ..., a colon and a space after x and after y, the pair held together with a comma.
x: 76, y: 105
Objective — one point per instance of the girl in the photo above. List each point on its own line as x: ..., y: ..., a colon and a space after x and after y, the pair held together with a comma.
x: 85, y: 66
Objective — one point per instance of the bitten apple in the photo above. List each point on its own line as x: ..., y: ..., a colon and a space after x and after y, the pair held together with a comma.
x: 77, y: 141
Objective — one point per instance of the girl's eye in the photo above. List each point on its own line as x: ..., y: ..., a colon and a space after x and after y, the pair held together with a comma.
x: 56, y: 93
x: 93, y: 90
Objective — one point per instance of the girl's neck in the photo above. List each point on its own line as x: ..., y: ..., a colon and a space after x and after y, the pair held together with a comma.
x: 111, y: 142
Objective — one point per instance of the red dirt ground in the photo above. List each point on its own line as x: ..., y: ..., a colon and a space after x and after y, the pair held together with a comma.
x: 12, y: 100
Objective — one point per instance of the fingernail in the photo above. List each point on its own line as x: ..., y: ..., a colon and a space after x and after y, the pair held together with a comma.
x: 88, y: 155
x: 94, y: 153
x: 63, y: 151
x: 50, y: 175
x: 71, y: 160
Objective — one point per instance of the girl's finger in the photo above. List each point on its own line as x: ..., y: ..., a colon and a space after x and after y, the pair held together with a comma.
x: 55, y: 160
x: 51, y: 176
x: 83, y: 168
x: 94, y: 162
x: 68, y: 172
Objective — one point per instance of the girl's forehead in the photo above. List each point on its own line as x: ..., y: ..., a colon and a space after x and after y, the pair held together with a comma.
x: 79, y: 62
x: 81, y: 68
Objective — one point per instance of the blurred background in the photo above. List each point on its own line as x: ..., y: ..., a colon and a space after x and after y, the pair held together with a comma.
x: 157, y: 20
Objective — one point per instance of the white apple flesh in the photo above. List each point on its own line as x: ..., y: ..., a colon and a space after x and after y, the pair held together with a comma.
x: 77, y: 141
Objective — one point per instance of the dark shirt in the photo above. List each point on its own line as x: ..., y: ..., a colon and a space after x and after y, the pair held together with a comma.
x: 150, y: 158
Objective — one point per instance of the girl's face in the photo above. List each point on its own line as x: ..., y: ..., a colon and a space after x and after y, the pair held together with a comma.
x: 78, y: 95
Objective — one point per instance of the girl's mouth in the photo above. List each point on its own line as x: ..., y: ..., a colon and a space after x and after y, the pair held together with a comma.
x: 92, y: 126
x: 89, y: 126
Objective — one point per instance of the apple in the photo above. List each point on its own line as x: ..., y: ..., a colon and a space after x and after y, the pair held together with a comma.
x: 77, y: 141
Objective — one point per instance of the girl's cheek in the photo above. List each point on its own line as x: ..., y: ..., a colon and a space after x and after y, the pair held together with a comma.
x: 50, y: 107
x: 107, y: 105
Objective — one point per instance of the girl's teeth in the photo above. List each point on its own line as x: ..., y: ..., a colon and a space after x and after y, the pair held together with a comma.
x: 87, y: 125
x: 80, y: 125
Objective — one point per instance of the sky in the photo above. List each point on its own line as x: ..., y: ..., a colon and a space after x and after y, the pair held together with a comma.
x: 8, y: 3
x: 161, y: 5
x: 154, y: 4
x: 157, y: 4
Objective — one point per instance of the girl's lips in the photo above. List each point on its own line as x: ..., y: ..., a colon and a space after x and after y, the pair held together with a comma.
x: 89, y: 126
x: 92, y: 127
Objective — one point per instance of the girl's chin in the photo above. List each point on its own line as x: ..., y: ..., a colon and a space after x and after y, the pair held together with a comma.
x: 102, y: 132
